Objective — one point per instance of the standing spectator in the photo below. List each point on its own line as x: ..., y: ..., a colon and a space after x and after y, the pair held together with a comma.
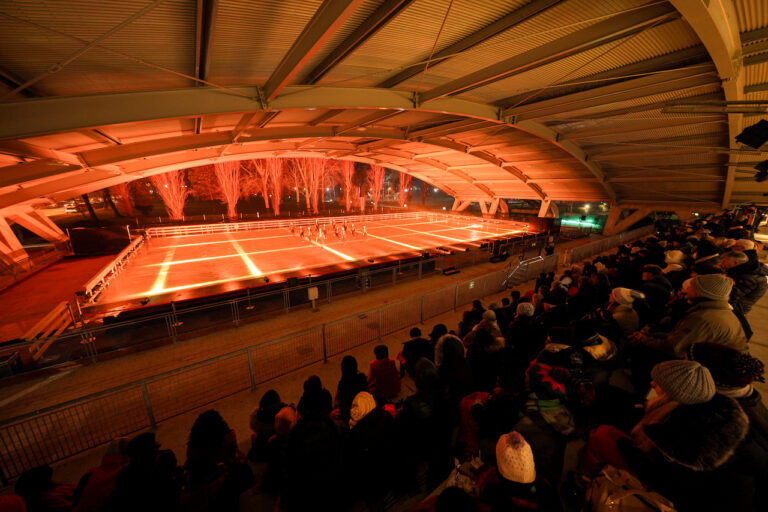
x: 414, y: 349
x: 316, y: 400
x: 383, y: 377
x: 263, y: 424
x: 95, y: 487
x: 152, y: 480
x: 351, y: 383
x: 750, y: 279
x: 657, y: 290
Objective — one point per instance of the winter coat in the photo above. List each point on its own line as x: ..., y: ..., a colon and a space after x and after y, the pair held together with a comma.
x: 369, y: 456
x: 383, y: 378
x: 93, y: 490
x: 415, y: 349
x: 708, y: 320
x: 758, y: 417
x: 702, y: 459
x: 750, y: 282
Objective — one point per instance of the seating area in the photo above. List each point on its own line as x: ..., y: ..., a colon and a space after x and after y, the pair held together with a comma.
x: 639, y: 359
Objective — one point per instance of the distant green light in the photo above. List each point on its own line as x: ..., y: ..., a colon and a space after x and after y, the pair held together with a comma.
x: 580, y: 223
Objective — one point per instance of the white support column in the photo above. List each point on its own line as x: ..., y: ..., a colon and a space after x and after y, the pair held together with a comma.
x: 494, y: 207
x: 483, y: 207
x: 37, y: 223
x: 9, y: 245
x: 544, y: 209
x: 456, y: 203
x: 463, y: 205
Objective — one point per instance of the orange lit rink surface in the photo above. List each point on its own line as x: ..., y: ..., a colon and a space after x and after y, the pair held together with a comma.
x: 174, y: 268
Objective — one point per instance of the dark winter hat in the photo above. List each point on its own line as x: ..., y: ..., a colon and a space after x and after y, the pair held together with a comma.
x: 654, y: 270
x: 705, y: 249
x: 687, y: 382
x: 729, y: 367
x: 143, y: 447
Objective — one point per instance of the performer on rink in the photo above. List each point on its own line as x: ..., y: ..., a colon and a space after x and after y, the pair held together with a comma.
x: 292, y: 228
x: 301, y: 233
x: 321, y: 236
x: 352, y: 229
x: 365, y: 233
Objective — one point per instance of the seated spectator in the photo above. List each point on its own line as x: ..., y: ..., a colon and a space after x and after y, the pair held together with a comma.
x: 383, y: 377
x: 620, y: 307
x: 414, y: 349
x: 484, y: 359
x: 316, y: 400
x: 750, y: 279
x: 733, y: 373
x: 95, y: 487
x: 657, y: 290
x: 351, y: 383
x: 452, y: 367
x: 709, y: 317
x: 369, y: 460
x: 313, y: 467
x: 273, y: 476
x: 216, y: 471
x: 40, y: 493
x: 150, y: 482
x: 477, y: 311
x: 437, y: 332
x: 513, y: 484
x: 488, y: 324
x: 263, y: 424
x: 675, y: 269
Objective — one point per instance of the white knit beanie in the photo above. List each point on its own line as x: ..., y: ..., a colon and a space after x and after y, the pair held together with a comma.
x: 514, y: 458
x: 525, y: 309
x: 711, y: 286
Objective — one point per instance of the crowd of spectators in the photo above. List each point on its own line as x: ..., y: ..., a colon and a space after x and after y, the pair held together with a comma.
x: 641, y: 358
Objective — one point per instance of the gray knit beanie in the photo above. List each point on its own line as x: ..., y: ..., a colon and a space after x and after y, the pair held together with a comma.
x: 712, y: 286
x: 686, y: 382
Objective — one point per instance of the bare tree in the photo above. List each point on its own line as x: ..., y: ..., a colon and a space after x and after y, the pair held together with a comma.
x: 316, y: 172
x: 274, y: 170
x: 376, y: 183
x: 258, y: 179
x: 123, y: 195
x: 343, y: 173
x: 228, y: 175
x: 173, y: 191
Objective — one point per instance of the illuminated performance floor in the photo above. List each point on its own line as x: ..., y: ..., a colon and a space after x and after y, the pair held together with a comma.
x: 178, y: 267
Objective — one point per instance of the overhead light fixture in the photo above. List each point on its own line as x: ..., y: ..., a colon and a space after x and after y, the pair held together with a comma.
x: 754, y: 136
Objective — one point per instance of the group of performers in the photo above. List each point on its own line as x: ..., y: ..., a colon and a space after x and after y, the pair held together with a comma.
x: 320, y: 232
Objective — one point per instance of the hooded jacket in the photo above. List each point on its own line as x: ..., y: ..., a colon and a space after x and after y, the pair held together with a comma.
x: 750, y: 282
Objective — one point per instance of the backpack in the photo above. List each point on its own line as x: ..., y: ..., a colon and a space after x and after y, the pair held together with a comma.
x: 616, y: 490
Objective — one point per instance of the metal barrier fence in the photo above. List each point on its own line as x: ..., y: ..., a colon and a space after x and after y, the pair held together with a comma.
x: 197, y: 229
x: 58, y: 432
x: 588, y: 250
x: 11, y: 273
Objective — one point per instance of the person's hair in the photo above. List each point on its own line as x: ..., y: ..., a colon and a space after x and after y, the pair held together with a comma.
x: 348, y: 366
x: 477, y: 304
x: 415, y: 331
x: 505, y: 301
x: 381, y: 351
x: 208, y: 430
x: 313, y: 383
x: 269, y: 399
x: 515, y: 294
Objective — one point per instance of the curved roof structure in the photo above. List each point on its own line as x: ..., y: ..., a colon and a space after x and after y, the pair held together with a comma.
x: 623, y: 101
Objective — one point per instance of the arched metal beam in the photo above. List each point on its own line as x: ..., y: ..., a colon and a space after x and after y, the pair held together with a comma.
x: 716, y: 24
x: 47, y: 115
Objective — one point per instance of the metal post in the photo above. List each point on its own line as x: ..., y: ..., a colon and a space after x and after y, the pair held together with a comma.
x: 379, y: 325
x: 325, y: 347
x: 235, y: 316
x: 394, y: 276
x: 482, y: 290
x: 148, y: 405
x: 456, y: 298
x: 419, y: 269
x: 421, y: 309
x: 328, y: 290
x: 250, y: 369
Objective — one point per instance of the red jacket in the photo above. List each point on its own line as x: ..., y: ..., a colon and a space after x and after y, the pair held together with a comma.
x: 383, y: 378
